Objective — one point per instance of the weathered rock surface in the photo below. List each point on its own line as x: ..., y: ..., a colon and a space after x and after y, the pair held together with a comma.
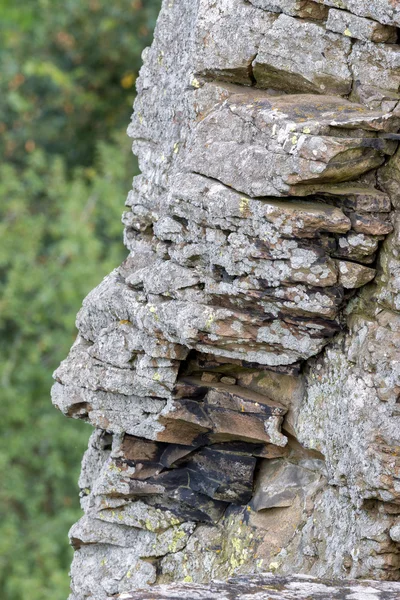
x: 307, y: 9
x: 376, y: 72
x: 271, y: 587
x: 360, y: 28
x: 383, y: 11
x: 288, y: 53
x: 241, y: 367
x: 264, y: 146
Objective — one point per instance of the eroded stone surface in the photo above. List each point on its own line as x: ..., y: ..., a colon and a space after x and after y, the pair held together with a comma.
x: 383, y: 11
x: 241, y: 366
x: 288, y: 55
x: 228, y: 40
x: 307, y: 9
x: 275, y: 588
x: 264, y: 146
x: 376, y: 72
x: 360, y: 28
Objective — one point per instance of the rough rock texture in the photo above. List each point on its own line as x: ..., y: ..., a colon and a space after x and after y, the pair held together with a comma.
x: 270, y: 587
x: 241, y: 367
x: 383, y: 11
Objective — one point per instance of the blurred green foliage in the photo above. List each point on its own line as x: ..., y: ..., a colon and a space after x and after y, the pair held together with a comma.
x: 66, y: 87
x: 68, y: 71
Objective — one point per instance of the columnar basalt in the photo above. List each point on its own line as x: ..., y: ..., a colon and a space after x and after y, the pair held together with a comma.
x: 241, y: 366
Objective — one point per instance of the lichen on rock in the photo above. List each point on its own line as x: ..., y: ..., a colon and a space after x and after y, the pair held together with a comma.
x: 241, y: 367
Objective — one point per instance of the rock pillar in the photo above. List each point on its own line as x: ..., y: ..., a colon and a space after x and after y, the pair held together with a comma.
x: 241, y: 367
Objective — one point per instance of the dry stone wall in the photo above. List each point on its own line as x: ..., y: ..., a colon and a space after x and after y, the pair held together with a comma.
x: 241, y: 367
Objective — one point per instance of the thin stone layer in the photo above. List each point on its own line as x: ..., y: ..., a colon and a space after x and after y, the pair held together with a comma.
x: 270, y: 587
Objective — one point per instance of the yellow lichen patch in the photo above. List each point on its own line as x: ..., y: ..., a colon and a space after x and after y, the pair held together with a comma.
x: 112, y: 467
x: 195, y: 83
x: 153, y: 310
x: 237, y: 547
x: 149, y: 526
x: 177, y: 536
x: 239, y: 554
x: 210, y: 320
x: 244, y: 207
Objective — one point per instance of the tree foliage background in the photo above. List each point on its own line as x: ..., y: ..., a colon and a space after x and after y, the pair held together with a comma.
x: 67, y: 76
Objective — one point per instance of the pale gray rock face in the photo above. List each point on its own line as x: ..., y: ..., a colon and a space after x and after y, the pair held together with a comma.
x: 228, y: 35
x: 301, y: 57
x: 279, y: 588
x: 360, y: 28
x: 383, y: 11
x: 376, y: 72
x: 241, y: 367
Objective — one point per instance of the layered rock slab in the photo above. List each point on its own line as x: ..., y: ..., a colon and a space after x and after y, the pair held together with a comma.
x: 360, y: 28
x: 264, y: 146
x: 383, y: 11
x: 290, y: 66
x: 273, y: 588
x: 307, y: 9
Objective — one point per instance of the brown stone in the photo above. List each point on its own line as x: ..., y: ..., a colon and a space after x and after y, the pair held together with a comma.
x: 292, y: 143
x: 306, y: 9
x: 279, y: 483
x: 372, y: 224
x: 220, y: 412
x: 350, y: 196
x: 360, y: 28
x: 185, y: 423
x: 209, y: 377
x: 228, y: 380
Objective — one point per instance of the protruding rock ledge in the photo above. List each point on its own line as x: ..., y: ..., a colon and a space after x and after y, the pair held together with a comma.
x: 265, y: 145
x: 268, y: 587
x: 383, y: 11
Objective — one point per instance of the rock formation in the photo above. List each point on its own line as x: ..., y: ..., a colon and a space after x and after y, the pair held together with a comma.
x: 241, y: 367
x: 267, y: 587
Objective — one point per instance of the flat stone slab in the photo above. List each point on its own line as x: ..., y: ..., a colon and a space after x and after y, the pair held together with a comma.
x: 269, y: 587
x: 384, y: 11
x: 263, y: 145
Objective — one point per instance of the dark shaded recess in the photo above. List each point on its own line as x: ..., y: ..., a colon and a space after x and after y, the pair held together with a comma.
x: 198, y: 361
